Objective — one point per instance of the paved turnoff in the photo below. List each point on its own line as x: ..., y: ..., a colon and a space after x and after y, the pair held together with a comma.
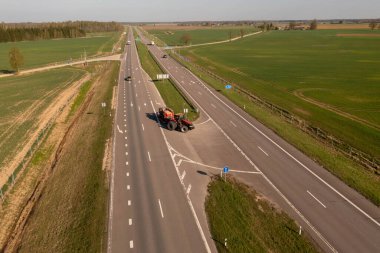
x: 338, y: 218
x: 149, y: 208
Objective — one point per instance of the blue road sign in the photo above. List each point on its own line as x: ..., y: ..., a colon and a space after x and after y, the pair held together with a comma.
x: 228, y: 86
x: 225, y: 169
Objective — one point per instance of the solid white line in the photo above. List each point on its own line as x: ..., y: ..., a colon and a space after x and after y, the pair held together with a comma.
x: 316, y: 199
x: 254, y: 165
x: 183, y: 185
x: 149, y: 157
x: 203, y: 122
x: 263, y: 151
x: 162, y: 213
x: 130, y: 222
x: 131, y: 244
x: 291, y: 156
x: 232, y: 123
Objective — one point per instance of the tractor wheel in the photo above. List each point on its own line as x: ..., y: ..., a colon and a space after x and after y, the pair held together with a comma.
x: 184, y: 129
x: 171, y: 125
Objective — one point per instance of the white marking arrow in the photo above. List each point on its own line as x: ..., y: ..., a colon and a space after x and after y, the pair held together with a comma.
x: 119, y: 129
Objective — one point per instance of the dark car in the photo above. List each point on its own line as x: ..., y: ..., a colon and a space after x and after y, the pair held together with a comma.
x: 128, y: 78
x: 165, y: 56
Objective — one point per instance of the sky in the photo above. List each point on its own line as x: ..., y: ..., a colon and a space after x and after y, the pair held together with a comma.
x: 184, y: 10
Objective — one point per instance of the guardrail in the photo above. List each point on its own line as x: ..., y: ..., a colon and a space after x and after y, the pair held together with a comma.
x: 364, y: 159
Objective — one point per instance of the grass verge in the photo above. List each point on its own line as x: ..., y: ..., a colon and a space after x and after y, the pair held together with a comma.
x: 348, y: 171
x: 169, y: 93
x: 249, y: 223
x: 80, y: 97
x: 71, y: 214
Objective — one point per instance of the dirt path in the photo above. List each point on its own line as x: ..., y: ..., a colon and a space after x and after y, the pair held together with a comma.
x: 299, y: 94
x: 115, y: 57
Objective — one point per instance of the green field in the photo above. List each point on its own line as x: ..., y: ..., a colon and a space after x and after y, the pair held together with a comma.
x: 198, y: 36
x: 331, y: 81
x: 249, y: 222
x: 23, y: 98
x: 43, y: 52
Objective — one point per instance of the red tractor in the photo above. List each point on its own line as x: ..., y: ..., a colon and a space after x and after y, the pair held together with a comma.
x: 174, y: 121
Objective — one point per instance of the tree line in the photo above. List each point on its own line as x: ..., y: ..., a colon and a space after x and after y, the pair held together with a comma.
x: 53, y: 30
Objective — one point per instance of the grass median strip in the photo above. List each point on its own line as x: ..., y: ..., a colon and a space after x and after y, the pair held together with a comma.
x: 169, y: 93
x: 248, y: 222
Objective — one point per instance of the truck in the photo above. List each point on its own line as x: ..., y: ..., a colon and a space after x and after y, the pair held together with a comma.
x: 151, y: 43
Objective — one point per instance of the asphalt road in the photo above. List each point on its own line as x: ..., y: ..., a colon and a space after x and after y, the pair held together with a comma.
x: 337, y: 217
x: 149, y: 208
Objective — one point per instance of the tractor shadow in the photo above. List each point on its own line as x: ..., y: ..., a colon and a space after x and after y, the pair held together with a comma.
x: 152, y: 116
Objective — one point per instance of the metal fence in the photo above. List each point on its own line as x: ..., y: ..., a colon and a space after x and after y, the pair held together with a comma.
x: 366, y: 160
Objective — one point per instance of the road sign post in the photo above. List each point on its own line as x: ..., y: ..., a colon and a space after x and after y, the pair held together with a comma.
x: 225, y: 171
x: 104, y: 107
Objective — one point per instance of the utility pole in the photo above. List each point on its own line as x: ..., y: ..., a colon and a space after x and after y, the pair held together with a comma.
x: 85, y: 58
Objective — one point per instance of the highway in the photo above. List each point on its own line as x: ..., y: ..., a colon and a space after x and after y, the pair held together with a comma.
x: 149, y: 210
x: 337, y: 217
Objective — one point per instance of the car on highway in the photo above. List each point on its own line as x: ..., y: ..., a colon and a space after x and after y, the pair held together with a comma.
x: 165, y: 56
x: 128, y: 78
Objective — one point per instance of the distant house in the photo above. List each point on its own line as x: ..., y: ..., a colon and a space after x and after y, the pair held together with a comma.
x: 300, y: 27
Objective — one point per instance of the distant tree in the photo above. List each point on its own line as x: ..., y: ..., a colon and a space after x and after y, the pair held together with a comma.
x: 313, y: 25
x: 242, y: 32
x: 16, y: 60
x: 372, y: 25
x: 186, y: 38
x: 230, y: 35
x: 292, y: 25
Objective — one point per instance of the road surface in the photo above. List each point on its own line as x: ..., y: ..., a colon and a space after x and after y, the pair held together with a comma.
x: 149, y: 208
x: 337, y: 217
